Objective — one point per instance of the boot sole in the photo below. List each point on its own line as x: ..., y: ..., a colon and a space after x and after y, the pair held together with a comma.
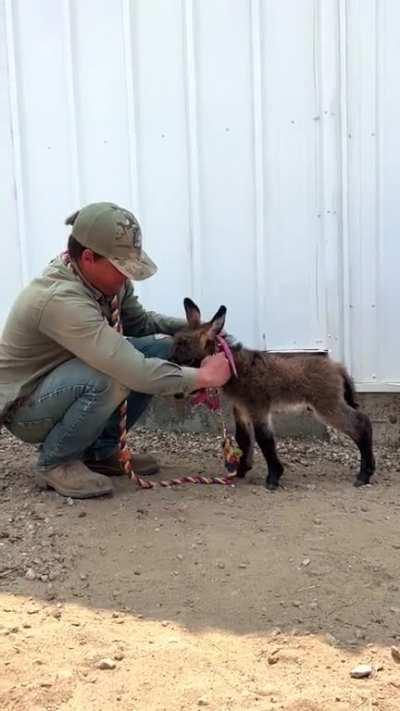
x: 112, y: 472
x: 43, y: 484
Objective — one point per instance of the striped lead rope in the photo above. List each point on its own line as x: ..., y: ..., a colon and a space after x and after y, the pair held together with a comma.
x: 125, y: 454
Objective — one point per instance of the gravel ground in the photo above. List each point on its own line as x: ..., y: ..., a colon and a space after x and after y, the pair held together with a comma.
x: 203, y: 596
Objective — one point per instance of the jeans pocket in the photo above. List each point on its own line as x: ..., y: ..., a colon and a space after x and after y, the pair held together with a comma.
x: 32, y: 432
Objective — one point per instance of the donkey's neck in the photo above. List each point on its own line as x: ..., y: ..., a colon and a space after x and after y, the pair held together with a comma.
x: 243, y: 359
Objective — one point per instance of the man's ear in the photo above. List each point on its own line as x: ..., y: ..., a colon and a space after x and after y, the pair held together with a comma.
x: 193, y: 315
x: 217, y: 323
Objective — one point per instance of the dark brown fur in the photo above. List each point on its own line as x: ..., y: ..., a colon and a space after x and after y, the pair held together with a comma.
x: 267, y: 382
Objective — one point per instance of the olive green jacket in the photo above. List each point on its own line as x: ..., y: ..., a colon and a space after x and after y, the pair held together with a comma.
x: 59, y: 316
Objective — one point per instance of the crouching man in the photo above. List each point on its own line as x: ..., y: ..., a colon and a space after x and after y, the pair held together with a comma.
x: 77, y: 343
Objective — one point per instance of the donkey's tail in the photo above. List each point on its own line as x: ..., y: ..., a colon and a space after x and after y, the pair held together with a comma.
x: 349, y: 389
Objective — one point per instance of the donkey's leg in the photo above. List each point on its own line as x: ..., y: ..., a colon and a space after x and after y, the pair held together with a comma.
x: 266, y: 441
x: 358, y: 426
x: 245, y: 439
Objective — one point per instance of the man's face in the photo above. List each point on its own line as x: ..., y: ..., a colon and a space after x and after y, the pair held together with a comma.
x: 101, y: 273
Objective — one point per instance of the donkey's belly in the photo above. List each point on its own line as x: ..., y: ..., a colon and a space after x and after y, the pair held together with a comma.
x: 289, y: 406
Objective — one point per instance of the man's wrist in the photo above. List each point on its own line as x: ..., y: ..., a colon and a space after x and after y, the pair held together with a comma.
x: 202, y: 378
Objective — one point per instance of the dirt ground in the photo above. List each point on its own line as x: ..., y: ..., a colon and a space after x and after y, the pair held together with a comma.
x: 223, y: 598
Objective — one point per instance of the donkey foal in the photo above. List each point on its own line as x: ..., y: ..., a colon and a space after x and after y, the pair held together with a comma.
x: 268, y: 382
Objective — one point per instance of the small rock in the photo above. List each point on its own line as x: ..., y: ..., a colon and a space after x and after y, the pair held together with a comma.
x: 119, y: 656
x: 30, y: 574
x: 395, y: 652
x: 331, y: 639
x: 296, y: 603
x: 243, y: 565
x: 179, y: 556
x: 272, y: 659
x: 82, y: 514
x: 50, y: 593
x: 306, y: 561
x: 362, y: 671
x: 106, y: 664
x: 220, y: 564
x: 203, y: 702
x: 165, y: 623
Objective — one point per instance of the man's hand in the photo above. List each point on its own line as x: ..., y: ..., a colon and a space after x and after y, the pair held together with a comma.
x: 214, y: 372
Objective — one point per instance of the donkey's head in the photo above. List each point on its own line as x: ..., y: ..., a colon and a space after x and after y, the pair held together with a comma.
x: 198, y: 339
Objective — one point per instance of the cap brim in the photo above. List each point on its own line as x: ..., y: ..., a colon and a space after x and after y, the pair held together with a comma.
x: 136, y: 269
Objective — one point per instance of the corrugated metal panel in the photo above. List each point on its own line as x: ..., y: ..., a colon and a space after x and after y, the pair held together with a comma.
x: 256, y: 140
x: 373, y: 150
x: 11, y: 270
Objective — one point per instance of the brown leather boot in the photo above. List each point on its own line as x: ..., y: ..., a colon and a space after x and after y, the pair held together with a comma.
x: 143, y: 464
x: 75, y: 480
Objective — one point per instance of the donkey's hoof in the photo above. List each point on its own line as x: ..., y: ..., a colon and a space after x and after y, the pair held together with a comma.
x: 360, y: 482
x: 242, y: 471
x: 271, y: 486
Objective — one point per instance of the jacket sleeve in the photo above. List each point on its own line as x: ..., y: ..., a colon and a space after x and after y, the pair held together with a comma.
x: 80, y: 328
x: 138, y: 322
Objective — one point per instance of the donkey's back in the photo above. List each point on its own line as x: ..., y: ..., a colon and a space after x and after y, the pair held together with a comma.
x: 286, y: 379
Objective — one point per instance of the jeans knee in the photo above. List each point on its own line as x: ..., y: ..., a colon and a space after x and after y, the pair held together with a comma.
x: 163, y: 347
x: 119, y: 392
x: 110, y: 389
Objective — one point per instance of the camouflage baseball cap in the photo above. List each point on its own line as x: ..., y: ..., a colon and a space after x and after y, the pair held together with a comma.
x: 115, y: 234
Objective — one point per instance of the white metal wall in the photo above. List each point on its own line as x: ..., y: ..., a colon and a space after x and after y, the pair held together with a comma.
x: 256, y: 140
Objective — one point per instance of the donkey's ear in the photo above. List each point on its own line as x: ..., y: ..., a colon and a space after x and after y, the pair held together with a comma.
x: 217, y: 322
x: 192, y: 313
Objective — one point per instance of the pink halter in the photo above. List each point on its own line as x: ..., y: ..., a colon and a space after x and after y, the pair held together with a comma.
x: 224, y: 348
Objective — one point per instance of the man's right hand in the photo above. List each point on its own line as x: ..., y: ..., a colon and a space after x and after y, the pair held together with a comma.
x: 214, y: 372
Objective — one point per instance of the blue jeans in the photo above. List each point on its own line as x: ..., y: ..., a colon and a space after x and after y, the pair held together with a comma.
x: 73, y: 411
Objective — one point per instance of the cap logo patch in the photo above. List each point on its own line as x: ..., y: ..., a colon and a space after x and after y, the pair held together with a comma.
x: 128, y: 227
